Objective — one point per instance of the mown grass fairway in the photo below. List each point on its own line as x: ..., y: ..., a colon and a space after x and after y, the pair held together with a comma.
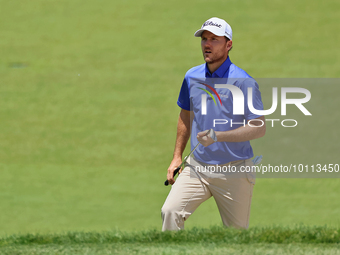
x: 88, y: 113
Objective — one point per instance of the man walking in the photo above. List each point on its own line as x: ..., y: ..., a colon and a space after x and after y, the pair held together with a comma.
x: 206, y: 103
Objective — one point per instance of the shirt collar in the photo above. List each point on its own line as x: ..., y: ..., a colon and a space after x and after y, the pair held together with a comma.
x: 220, y: 72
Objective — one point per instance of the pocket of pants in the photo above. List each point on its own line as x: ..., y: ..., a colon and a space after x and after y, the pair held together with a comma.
x: 251, y: 176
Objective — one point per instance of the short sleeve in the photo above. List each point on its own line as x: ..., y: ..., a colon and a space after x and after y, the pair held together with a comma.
x: 256, y: 98
x: 184, y: 96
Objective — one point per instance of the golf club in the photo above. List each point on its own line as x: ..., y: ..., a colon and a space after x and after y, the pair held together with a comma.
x: 210, y: 133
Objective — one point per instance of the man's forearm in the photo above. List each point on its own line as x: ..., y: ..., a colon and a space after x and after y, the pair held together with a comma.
x: 243, y: 134
x: 183, y: 133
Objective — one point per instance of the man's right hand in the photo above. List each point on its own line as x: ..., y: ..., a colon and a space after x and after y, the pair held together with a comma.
x: 173, y: 165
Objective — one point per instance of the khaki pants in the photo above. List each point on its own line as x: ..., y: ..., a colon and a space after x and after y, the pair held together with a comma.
x: 232, y: 193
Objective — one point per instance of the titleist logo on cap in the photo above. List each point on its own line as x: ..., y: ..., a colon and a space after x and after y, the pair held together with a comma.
x: 210, y: 23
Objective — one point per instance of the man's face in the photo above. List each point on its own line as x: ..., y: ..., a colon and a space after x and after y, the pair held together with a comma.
x: 215, y: 48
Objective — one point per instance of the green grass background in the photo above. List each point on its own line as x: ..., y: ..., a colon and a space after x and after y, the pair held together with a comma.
x: 88, y: 108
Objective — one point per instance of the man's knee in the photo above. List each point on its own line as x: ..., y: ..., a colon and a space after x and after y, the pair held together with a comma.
x: 172, y: 219
x: 167, y: 210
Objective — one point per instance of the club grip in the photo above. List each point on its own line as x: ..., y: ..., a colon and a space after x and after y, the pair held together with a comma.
x: 166, y: 183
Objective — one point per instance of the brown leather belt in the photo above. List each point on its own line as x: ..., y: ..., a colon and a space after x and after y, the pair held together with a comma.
x: 227, y: 164
x: 233, y: 162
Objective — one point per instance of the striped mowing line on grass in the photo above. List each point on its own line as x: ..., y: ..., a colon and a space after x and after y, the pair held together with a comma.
x: 279, y: 235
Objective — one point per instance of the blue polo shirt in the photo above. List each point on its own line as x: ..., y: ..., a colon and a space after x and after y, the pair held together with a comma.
x: 200, y: 85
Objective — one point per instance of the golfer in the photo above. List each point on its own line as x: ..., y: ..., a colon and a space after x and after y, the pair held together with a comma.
x: 206, y: 104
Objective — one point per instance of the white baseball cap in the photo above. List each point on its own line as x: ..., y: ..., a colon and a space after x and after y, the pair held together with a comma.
x: 216, y: 26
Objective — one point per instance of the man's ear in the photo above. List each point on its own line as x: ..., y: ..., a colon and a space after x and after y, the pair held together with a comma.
x: 229, y: 45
